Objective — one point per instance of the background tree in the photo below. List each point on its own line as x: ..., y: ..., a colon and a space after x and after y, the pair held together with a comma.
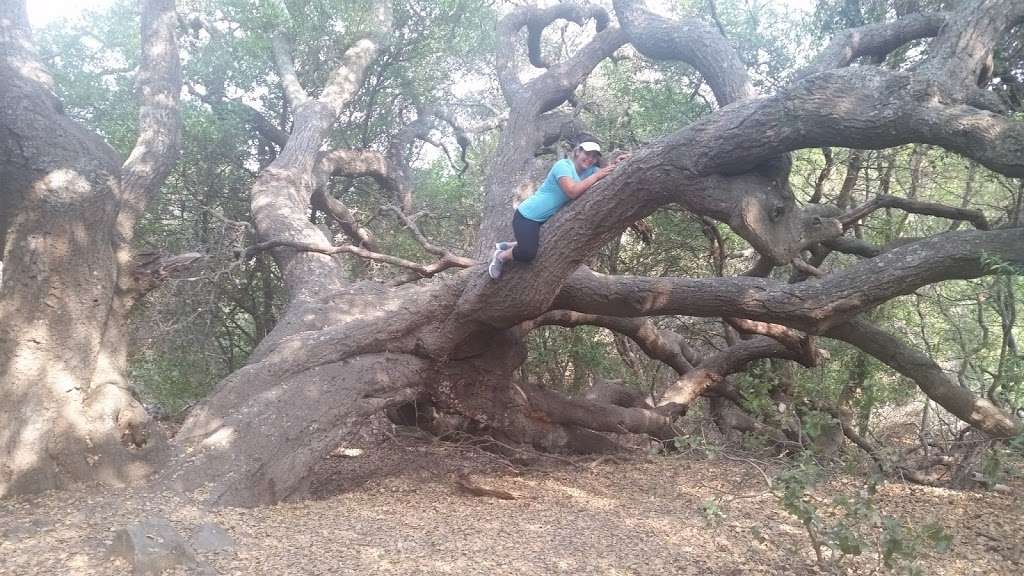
x: 70, y: 205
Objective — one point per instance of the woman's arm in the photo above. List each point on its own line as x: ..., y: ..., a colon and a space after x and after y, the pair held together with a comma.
x: 575, y: 189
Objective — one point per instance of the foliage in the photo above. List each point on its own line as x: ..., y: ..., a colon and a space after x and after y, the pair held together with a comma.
x: 850, y: 524
x: 711, y: 511
x: 200, y: 328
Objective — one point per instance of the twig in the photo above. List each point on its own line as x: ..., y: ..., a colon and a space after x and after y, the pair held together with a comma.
x: 767, y: 480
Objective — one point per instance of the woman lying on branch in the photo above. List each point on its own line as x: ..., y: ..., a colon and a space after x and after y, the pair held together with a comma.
x: 567, y: 180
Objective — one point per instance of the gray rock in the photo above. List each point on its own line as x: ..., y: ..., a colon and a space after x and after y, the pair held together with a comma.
x: 152, y: 546
x: 212, y: 538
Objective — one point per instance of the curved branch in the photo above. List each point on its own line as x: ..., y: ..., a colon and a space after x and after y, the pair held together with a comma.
x: 876, y: 40
x: 357, y: 164
x: 713, y: 369
x: 424, y: 270
x: 664, y: 345
x: 961, y: 55
x: 159, y: 86
x: 865, y: 249
x: 293, y: 89
x: 798, y: 343
x: 540, y: 19
x: 809, y: 306
x: 929, y: 376
x: 691, y: 41
x: 536, y: 20
x: 975, y: 217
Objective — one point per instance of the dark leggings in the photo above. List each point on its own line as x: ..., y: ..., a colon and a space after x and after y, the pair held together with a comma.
x: 527, y: 234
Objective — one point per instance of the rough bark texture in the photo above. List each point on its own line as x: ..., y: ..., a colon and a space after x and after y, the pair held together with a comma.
x: 68, y: 212
x: 458, y: 340
x: 345, y: 350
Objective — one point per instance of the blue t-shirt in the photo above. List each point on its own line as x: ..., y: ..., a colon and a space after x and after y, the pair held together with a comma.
x: 549, y: 197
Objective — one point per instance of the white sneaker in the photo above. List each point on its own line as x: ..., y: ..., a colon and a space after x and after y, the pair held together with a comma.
x: 494, y: 268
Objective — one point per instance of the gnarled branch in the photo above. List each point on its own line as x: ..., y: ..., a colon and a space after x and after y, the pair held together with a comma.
x: 808, y: 306
x: 929, y: 376
x: 691, y: 41
x: 975, y: 217
x: 876, y: 40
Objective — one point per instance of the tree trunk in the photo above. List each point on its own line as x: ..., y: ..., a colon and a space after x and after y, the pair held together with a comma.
x: 69, y: 205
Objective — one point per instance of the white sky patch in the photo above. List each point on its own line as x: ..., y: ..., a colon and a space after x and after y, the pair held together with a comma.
x: 43, y: 12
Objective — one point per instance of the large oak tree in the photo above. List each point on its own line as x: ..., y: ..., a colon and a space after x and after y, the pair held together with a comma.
x: 344, y: 350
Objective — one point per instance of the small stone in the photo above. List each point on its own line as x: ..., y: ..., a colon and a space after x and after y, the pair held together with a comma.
x: 152, y: 546
x: 212, y: 538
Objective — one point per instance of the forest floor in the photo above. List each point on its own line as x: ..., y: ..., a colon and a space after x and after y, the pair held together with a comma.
x: 691, y: 513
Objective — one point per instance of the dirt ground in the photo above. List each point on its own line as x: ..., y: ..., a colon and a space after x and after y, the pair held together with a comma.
x: 658, y: 515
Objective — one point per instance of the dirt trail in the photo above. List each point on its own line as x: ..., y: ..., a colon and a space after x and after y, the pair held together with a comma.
x: 658, y: 515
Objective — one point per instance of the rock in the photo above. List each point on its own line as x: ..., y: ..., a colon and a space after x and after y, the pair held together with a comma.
x: 212, y: 538
x: 152, y: 546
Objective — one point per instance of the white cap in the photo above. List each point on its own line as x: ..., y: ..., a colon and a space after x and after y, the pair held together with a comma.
x: 590, y: 147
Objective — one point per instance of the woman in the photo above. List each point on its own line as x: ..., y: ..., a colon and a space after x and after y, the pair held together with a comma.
x: 567, y: 180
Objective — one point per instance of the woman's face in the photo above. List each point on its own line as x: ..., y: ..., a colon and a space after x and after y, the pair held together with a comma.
x: 584, y: 159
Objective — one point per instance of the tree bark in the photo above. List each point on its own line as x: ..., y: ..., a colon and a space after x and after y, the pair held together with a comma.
x: 68, y: 213
x: 344, y: 350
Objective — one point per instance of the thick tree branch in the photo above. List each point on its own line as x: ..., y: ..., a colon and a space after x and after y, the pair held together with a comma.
x: 556, y: 86
x: 876, y: 40
x: 541, y: 19
x: 293, y: 89
x: 159, y: 143
x: 930, y: 378
x: 664, y: 345
x: 808, y: 306
x: 961, y: 55
x: 713, y: 369
x: 362, y: 236
x: 797, y: 342
x: 691, y: 41
x: 536, y: 20
x: 594, y: 416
